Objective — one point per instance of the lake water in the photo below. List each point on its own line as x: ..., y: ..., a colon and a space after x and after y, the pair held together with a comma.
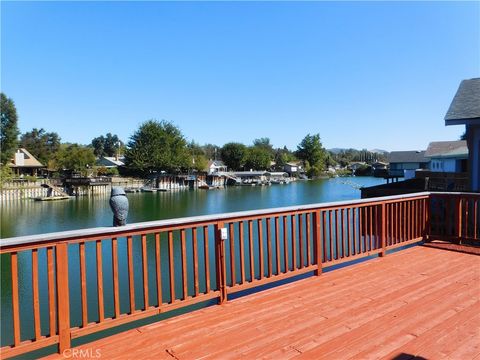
x: 34, y: 217
x: 31, y: 217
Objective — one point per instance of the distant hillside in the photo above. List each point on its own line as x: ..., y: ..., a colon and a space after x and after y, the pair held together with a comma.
x: 339, y: 150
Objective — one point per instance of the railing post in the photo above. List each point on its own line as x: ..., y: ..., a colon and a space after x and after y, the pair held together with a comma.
x: 317, y: 242
x: 220, y: 262
x: 383, y: 230
x: 458, y: 218
x: 63, y: 301
x: 427, y: 230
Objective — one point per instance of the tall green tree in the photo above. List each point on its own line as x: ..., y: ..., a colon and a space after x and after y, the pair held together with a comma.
x: 312, y: 152
x: 257, y: 158
x: 108, y: 145
x: 8, y: 129
x: 197, y: 157
x: 233, y: 155
x: 73, y: 157
x: 41, y: 144
x: 282, y: 157
x: 156, y: 146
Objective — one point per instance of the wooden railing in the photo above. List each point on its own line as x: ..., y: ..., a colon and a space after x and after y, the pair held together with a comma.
x: 69, y: 284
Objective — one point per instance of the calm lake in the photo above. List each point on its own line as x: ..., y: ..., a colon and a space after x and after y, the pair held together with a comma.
x: 30, y: 217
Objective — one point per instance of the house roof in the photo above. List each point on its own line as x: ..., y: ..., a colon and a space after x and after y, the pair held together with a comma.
x: 29, y: 160
x: 465, y: 106
x: 437, y: 149
x: 112, y: 160
x: 250, y: 173
x: 407, y: 157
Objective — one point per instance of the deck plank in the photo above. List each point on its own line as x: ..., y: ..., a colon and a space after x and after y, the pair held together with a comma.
x: 421, y: 302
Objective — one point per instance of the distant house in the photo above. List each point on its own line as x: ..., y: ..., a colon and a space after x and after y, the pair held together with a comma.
x: 465, y: 110
x: 447, y: 156
x: 24, y: 163
x: 406, y: 162
x: 110, y: 162
x: 215, y: 166
x: 379, y: 165
x: 354, y: 166
x: 292, y: 168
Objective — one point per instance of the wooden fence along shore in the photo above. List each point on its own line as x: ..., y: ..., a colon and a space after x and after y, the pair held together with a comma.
x: 155, y: 267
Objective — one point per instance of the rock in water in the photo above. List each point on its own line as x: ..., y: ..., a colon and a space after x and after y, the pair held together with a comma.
x: 119, y: 206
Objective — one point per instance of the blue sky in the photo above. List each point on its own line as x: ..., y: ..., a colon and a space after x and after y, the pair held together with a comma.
x: 362, y: 74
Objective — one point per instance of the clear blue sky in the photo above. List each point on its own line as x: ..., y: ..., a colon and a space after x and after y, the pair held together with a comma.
x: 362, y: 74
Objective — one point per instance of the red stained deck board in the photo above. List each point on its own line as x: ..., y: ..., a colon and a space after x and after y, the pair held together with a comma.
x: 420, y: 301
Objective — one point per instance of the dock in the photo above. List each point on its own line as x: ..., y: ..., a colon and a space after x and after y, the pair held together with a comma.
x: 406, y: 305
x: 410, y: 296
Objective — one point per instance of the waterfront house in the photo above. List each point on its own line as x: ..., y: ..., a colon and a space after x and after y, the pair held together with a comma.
x: 110, y: 161
x: 215, y: 166
x: 24, y: 163
x: 465, y: 110
x: 404, y: 163
x: 354, y: 166
x: 447, y: 156
x: 292, y: 168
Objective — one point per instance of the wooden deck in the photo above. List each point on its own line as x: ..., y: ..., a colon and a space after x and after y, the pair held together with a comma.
x: 421, y: 302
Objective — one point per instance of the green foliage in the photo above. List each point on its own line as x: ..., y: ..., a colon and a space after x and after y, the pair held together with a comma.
x: 257, y: 158
x: 211, y: 151
x: 104, y: 171
x: 73, y: 157
x: 364, y: 170
x: 345, y: 157
x: 157, y: 146
x: 6, y: 174
x: 198, y: 160
x: 8, y: 129
x: 108, y: 145
x: 41, y: 144
x: 282, y: 157
x: 311, y: 150
x: 233, y: 155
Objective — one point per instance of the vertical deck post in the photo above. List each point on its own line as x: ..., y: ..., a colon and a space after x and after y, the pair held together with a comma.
x: 63, y: 301
x: 317, y: 242
x: 427, y: 230
x: 458, y: 218
x: 383, y: 230
x: 220, y: 263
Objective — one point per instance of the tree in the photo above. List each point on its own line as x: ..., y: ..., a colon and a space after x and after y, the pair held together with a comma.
x: 41, y: 144
x: 8, y: 129
x: 233, y: 155
x: 311, y: 150
x: 282, y: 157
x: 257, y: 158
x: 73, y: 157
x: 108, y: 145
x: 211, y: 151
x: 198, y: 160
x: 157, y: 146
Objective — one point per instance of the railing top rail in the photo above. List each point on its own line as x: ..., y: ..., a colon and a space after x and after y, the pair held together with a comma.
x: 205, y: 219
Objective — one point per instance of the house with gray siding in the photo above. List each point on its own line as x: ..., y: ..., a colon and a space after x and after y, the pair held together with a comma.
x: 448, y: 156
x: 465, y: 110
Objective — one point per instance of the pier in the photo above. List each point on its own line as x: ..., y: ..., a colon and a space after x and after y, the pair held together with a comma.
x: 416, y: 302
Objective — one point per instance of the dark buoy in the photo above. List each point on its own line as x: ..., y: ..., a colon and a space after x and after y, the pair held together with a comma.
x: 119, y: 205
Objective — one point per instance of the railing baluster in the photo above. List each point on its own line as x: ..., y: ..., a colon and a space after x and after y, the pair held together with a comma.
x: 63, y: 301
x: 354, y: 230
x: 269, y: 246
x: 330, y: 234
x: 207, y: 260
x: 307, y: 221
x: 83, y: 284
x: 145, y: 271
x: 184, y: 264
x: 343, y: 233
x: 300, y: 240
x: 171, y: 266
x: 251, y: 250
x: 220, y: 264
x: 338, y: 235
x: 260, y: 248
x: 116, y: 291
x: 195, y: 261
x: 15, y: 300
x: 277, y: 244
x: 36, y: 301
x: 294, y: 235
x: 370, y: 227
x: 158, y: 268
x: 285, y: 245
x: 131, y: 284
x: 317, y: 243
x: 101, y: 316
x: 51, y: 292
x: 241, y: 239
x: 232, y: 254
x: 475, y: 221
